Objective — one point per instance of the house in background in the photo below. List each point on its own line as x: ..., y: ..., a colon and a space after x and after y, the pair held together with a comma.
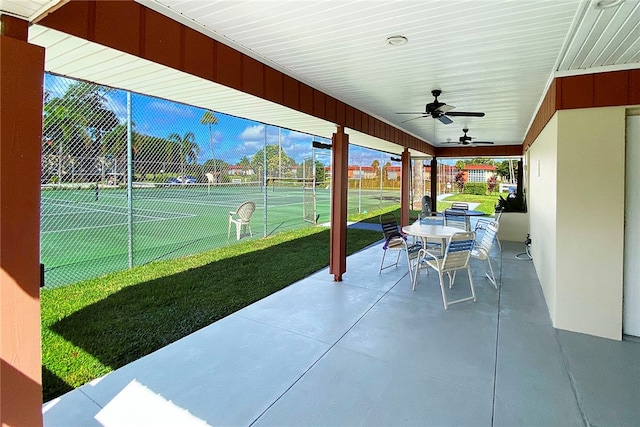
x: 478, y: 173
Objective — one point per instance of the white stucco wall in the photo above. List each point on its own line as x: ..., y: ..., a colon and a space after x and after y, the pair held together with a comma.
x: 590, y: 221
x: 542, y: 183
x: 578, y: 232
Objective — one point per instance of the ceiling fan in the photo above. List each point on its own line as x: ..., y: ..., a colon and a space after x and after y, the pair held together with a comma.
x: 466, y: 140
x: 441, y: 111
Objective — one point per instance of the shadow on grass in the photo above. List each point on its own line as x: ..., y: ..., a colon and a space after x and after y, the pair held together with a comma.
x: 142, y: 318
x: 52, y: 385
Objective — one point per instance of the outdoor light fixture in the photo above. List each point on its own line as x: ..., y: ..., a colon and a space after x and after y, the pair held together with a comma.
x: 318, y: 144
x: 606, y: 4
x: 397, y: 40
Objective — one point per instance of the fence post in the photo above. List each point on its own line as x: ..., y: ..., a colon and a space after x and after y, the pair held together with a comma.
x: 129, y: 180
x: 264, y: 180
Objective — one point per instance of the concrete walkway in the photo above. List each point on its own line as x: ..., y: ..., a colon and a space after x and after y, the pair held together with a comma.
x: 369, y: 351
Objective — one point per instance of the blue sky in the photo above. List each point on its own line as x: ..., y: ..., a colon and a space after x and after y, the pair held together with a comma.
x: 233, y: 137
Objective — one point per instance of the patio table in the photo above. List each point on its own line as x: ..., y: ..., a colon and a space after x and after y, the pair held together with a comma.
x: 470, y: 212
x: 430, y: 231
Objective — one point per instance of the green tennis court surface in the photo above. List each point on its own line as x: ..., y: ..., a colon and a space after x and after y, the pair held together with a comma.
x: 85, y: 234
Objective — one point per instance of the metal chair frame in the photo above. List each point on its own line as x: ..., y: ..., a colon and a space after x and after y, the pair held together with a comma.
x: 482, y: 251
x: 456, y: 257
x: 394, y: 240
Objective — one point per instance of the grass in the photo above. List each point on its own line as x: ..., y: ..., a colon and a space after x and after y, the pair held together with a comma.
x: 487, y: 203
x: 98, y: 325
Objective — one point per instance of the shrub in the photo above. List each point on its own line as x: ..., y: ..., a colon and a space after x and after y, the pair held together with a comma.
x: 513, y: 203
x: 476, y: 188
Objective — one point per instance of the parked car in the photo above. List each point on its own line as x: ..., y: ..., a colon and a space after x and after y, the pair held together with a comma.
x: 187, y: 179
x: 173, y: 181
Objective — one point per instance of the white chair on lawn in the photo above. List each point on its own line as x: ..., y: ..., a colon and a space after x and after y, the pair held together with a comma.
x: 394, y: 240
x: 456, y: 257
x: 482, y: 251
x: 241, y: 217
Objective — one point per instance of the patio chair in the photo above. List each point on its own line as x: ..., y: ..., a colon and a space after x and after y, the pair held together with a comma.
x: 460, y: 205
x: 482, y: 251
x: 394, y: 240
x: 483, y: 222
x: 456, y: 257
x: 241, y: 217
x: 456, y: 218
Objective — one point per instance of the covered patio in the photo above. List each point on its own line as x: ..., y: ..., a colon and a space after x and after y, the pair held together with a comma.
x: 358, y: 348
x: 370, y: 351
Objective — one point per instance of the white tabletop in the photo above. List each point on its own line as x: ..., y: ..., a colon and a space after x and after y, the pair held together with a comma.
x: 430, y: 230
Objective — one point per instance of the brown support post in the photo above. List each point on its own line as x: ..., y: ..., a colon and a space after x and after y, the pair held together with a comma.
x: 405, y: 187
x: 434, y: 184
x: 339, y: 182
x: 21, y: 78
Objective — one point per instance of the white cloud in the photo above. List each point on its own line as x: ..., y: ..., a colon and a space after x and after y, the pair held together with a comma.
x: 252, y: 133
x: 299, y: 136
x: 165, y: 107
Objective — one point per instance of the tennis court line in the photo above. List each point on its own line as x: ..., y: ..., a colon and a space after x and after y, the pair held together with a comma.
x: 95, y: 227
x: 79, y: 206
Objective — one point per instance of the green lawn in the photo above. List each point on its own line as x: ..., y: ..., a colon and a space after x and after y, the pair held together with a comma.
x: 98, y: 325
x: 487, y: 203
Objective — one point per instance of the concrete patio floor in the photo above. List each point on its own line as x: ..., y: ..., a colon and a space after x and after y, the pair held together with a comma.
x: 369, y: 351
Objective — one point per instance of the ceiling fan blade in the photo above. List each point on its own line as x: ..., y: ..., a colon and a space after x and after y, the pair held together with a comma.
x: 444, y: 119
x: 413, y: 112
x: 414, y: 118
x: 482, y: 142
x: 464, y: 114
x: 445, y: 108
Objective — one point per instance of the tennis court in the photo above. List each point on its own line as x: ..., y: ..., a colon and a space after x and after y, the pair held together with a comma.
x: 86, y: 233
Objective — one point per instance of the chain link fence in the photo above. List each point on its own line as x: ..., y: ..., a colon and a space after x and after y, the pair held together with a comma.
x: 128, y: 179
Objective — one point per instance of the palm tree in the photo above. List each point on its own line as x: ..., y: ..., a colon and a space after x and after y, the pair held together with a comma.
x: 208, y: 118
x: 376, y: 166
x: 189, y: 150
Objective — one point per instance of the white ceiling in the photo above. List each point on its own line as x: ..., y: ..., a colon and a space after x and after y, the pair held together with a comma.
x: 494, y: 56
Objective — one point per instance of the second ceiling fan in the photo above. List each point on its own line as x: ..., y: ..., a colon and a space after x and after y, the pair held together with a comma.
x: 466, y: 140
x: 441, y: 111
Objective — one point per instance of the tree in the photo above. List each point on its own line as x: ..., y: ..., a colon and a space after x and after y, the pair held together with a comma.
x: 75, y: 123
x: 208, y: 118
x: 273, y: 159
x: 187, y: 147
x: 460, y: 181
x: 492, y: 183
x: 320, y: 172
x: 114, y: 148
x: 461, y: 165
x: 376, y: 166
x: 245, y: 163
x: 150, y: 153
x: 502, y: 169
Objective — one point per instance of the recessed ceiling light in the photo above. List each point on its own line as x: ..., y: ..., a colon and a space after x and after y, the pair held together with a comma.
x: 606, y: 4
x: 397, y: 40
